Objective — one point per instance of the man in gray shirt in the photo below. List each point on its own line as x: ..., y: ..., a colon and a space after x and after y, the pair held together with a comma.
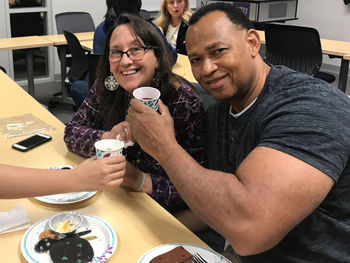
x: 278, y: 146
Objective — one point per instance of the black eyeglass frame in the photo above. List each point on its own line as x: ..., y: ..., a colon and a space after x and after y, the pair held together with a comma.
x: 127, y: 52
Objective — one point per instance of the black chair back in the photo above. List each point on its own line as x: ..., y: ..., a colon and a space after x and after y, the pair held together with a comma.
x: 92, y: 66
x: 74, y: 22
x: 79, y: 67
x: 296, y: 47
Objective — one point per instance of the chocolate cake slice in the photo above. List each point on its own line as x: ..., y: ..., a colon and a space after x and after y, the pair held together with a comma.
x: 176, y: 255
x: 71, y: 249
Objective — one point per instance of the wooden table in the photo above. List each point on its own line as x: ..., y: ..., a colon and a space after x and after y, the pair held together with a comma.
x: 182, y: 67
x: 139, y: 222
x: 88, y: 45
x: 27, y: 43
x: 59, y: 39
x: 347, y: 57
x: 335, y: 48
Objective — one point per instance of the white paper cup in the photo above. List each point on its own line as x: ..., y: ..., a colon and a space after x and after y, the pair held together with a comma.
x: 148, y: 96
x: 108, y: 147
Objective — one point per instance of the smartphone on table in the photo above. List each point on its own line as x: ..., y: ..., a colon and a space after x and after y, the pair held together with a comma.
x: 31, y: 142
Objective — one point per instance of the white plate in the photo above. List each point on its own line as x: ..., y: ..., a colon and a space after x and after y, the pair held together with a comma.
x: 207, y: 254
x: 66, y: 198
x: 104, y: 245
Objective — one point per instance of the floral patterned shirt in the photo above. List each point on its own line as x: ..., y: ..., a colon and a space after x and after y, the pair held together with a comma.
x: 187, y: 111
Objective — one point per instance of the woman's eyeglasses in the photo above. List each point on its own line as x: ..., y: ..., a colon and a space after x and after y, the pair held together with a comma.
x: 134, y: 53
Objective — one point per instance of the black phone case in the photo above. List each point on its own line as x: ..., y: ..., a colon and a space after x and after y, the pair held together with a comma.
x: 31, y: 146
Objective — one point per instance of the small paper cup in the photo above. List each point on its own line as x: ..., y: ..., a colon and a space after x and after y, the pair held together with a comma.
x: 148, y: 96
x: 108, y: 147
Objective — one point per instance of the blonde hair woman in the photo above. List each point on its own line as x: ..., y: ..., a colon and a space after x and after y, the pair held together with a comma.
x: 173, y: 21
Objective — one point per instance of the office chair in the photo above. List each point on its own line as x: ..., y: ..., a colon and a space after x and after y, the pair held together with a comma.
x: 79, y: 66
x: 74, y: 22
x: 80, y: 88
x: 296, y: 47
x: 92, y: 65
x: 3, y: 69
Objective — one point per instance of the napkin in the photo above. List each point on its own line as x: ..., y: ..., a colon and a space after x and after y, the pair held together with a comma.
x: 14, y: 220
x: 126, y: 143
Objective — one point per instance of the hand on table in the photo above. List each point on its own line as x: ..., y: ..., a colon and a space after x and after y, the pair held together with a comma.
x: 99, y: 174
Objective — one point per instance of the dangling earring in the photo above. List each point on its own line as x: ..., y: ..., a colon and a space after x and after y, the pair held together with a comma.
x: 111, y: 83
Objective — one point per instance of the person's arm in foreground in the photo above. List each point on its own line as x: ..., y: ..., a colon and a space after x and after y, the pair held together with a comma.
x: 255, y: 208
x: 90, y: 175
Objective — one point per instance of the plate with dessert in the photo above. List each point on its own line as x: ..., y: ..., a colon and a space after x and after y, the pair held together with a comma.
x: 171, y: 253
x: 65, y: 198
x: 93, y: 240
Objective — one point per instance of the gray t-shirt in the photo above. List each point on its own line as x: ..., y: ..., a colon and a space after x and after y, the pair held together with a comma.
x: 310, y: 120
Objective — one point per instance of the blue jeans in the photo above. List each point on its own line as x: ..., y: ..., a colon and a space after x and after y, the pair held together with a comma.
x: 78, y: 90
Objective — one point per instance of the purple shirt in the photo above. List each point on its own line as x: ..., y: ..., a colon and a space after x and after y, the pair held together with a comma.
x: 187, y: 111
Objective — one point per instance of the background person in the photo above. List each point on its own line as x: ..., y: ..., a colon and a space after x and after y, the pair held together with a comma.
x: 278, y: 148
x: 114, y: 9
x: 90, y: 175
x: 173, y: 20
x: 135, y: 56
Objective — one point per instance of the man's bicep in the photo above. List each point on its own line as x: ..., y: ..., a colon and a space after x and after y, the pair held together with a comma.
x: 283, y: 191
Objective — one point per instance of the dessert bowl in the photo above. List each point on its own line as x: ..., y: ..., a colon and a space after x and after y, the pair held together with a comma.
x: 66, y: 222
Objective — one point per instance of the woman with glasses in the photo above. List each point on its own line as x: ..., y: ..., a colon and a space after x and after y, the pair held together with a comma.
x: 134, y: 56
x: 115, y: 8
x: 173, y: 21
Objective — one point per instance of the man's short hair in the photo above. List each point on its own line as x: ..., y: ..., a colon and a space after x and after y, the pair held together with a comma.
x: 234, y: 13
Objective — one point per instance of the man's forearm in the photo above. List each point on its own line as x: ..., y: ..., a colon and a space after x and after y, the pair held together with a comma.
x: 204, y: 190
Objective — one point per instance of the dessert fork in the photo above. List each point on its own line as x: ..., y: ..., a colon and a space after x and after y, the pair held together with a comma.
x: 198, y: 259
